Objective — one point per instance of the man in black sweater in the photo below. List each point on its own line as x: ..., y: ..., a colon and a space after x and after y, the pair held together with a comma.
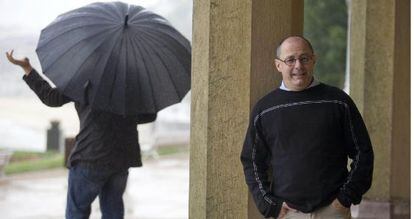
x: 106, y: 146
x: 304, y: 132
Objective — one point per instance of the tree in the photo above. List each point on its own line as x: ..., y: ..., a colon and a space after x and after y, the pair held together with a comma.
x: 325, y: 25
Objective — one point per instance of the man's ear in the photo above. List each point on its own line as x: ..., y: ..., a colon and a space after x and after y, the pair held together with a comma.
x: 277, y: 65
x: 314, y: 58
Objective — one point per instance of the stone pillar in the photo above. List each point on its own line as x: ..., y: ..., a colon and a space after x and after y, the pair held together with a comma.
x: 380, y: 86
x: 233, y: 52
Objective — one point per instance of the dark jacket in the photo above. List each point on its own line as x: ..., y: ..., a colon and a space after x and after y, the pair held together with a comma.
x: 305, y: 138
x: 104, y: 139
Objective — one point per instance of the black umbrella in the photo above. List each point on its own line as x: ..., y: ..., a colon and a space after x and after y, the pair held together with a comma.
x: 116, y: 57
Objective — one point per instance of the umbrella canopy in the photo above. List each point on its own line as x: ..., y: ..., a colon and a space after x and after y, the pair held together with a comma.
x: 116, y: 57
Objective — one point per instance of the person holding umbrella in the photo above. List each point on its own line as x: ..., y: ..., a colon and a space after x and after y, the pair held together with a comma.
x: 120, y: 64
x: 106, y: 146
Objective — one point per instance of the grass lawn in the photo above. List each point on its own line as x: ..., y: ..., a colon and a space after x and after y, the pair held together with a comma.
x: 23, y: 161
x: 172, y: 149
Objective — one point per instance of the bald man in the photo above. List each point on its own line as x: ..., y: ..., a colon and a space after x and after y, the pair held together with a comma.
x: 304, y: 132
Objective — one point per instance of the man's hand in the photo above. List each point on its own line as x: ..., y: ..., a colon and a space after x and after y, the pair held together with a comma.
x: 337, y: 205
x: 284, y: 210
x: 24, y: 63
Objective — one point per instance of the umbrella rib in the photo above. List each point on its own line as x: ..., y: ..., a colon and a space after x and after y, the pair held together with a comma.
x: 142, y: 12
x: 84, y: 61
x: 96, y: 8
x: 165, y: 66
x: 154, y: 36
x: 133, y: 62
x: 94, y: 14
x: 111, y: 95
x: 164, y: 29
x: 74, y: 45
x: 169, y: 76
x: 145, y: 64
x: 125, y: 72
x: 167, y: 46
x: 80, y: 15
x: 105, y: 10
x: 69, y: 30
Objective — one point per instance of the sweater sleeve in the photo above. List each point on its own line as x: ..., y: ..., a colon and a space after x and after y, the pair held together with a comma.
x: 360, y: 151
x: 145, y: 118
x: 48, y: 95
x: 255, y: 159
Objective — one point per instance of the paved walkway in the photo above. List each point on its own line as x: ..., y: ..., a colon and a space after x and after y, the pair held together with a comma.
x: 156, y: 191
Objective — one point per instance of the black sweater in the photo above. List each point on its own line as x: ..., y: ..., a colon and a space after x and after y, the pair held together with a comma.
x: 104, y: 139
x: 305, y: 138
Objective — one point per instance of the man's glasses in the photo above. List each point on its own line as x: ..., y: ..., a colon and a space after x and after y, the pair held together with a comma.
x: 291, y: 61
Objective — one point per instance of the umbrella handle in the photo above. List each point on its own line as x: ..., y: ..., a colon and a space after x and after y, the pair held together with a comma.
x: 86, y: 88
x: 126, y: 21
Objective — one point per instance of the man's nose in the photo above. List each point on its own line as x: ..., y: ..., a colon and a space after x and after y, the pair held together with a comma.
x: 298, y: 64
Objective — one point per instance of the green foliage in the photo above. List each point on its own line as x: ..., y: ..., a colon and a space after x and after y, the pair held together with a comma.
x: 172, y: 149
x: 22, y: 161
x: 325, y: 25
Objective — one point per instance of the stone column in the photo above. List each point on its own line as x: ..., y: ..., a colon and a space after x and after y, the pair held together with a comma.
x: 380, y: 85
x: 232, y: 66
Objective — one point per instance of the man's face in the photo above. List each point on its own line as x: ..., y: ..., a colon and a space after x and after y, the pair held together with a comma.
x: 297, y: 74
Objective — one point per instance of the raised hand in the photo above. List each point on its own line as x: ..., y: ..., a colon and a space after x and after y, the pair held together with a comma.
x: 24, y: 63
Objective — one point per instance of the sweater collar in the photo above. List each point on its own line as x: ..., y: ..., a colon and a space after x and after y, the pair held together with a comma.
x: 313, y: 84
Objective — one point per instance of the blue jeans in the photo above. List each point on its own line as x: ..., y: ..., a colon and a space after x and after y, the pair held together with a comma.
x: 85, y: 184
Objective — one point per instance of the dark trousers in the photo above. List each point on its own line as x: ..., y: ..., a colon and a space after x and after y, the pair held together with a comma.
x: 85, y: 184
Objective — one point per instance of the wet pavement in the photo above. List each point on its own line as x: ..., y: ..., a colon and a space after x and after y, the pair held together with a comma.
x: 157, y: 190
